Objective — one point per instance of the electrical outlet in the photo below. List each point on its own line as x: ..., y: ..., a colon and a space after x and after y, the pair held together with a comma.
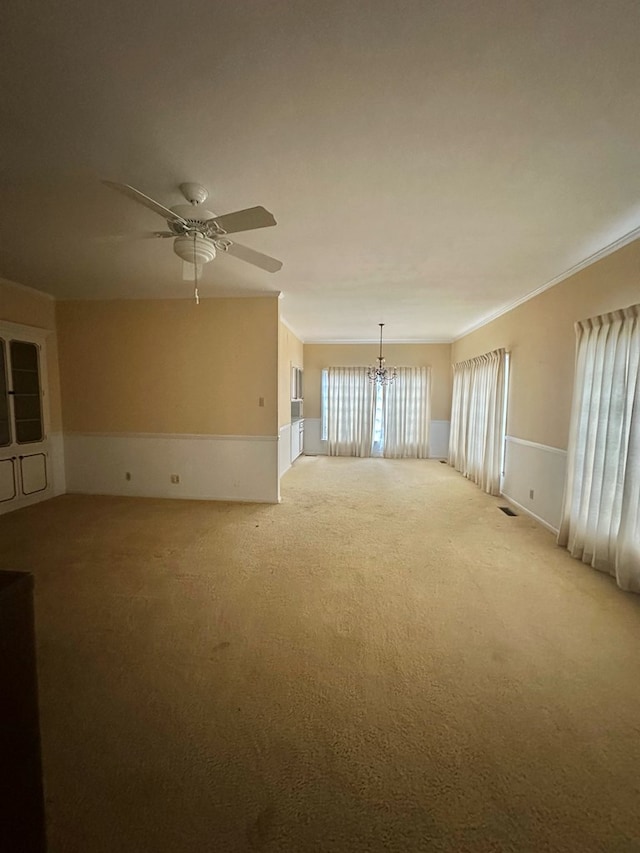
x: 127, y: 475
x: 531, y: 494
x: 261, y: 402
x: 175, y: 478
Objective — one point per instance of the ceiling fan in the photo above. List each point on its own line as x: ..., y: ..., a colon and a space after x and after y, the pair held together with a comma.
x: 198, y: 234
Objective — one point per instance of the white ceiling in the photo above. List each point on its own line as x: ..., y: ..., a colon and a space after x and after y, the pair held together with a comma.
x: 428, y: 162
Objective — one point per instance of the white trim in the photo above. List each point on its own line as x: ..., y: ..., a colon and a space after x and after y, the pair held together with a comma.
x: 532, y: 515
x: 536, y: 444
x: 28, y: 288
x: 36, y: 334
x: 219, y: 294
x: 172, y: 435
x: 182, y: 497
x: 609, y: 249
x: 340, y: 342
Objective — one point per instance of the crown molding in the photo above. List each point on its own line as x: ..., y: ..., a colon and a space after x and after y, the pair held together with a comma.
x: 27, y: 288
x: 20, y: 329
x: 394, y: 341
x: 609, y: 249
x: 261, y: 294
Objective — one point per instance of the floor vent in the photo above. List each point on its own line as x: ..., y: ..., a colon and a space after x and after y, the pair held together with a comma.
x: 507, y: 510
x: 443, y: 461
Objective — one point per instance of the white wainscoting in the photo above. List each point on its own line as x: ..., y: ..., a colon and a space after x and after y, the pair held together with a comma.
x: 284, y: 449
x: 210, y: 467
x: 439, y: 439
x: 315, y: 446
x: 539, y: 468
x: 56, y: 462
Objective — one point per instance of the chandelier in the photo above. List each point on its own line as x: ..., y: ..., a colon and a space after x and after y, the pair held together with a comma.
x: 381, y: 374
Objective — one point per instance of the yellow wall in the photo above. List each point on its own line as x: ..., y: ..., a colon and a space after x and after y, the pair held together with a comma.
x: 540, y: 335
x: 290, y: 354
x: 170, y: 366
x: 435, y: 356
x: 29, y: 308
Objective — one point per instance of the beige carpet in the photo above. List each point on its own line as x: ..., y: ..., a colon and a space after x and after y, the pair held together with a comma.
x: 384, y: 662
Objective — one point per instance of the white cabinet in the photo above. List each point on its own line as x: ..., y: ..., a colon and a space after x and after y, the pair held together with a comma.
x: 23, y: 439
x: 33, y: 473
x: 7, y: 480
x: 297, y: 439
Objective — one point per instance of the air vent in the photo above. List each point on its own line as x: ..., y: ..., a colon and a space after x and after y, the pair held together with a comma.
x: 507, y: 510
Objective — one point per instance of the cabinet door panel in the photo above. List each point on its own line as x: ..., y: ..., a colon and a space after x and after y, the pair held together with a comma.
x: 33, y: 471
x: 7, y: 480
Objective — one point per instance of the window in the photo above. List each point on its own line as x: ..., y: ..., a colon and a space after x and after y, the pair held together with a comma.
x: 476, y: 440
x: 601, y: 514
x: 505, y: 406
x: 324, y: 396
x: 360, y: 418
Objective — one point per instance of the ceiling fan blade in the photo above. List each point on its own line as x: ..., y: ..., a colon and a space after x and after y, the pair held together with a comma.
x: 244, y: 253
x: 141, y: 198
x: 242, y: 220
x: 114, y: 239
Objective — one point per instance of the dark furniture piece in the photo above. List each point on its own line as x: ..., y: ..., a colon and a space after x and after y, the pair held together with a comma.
x: 22, y: 824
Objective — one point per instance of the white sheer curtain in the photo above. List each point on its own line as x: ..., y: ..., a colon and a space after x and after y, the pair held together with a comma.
x: 406, y: 414
x: 477, y: 419
x: 601, y: 514
x: 350, y: 411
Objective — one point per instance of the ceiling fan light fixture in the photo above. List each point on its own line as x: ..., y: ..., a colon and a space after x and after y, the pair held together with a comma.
x: 200, y: 233
x: 194, y: 248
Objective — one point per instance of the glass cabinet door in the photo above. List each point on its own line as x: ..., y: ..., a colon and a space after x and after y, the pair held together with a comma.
x: 27, y: 405
x: 5, y: 429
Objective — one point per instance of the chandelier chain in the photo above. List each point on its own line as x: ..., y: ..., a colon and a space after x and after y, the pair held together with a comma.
x: 380, y: 374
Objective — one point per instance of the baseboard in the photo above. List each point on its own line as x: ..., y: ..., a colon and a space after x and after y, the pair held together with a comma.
x: 181, y: 497
x: 532, y: 515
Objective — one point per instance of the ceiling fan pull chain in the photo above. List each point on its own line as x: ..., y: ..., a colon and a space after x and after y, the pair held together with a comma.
x: 195, y: 272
